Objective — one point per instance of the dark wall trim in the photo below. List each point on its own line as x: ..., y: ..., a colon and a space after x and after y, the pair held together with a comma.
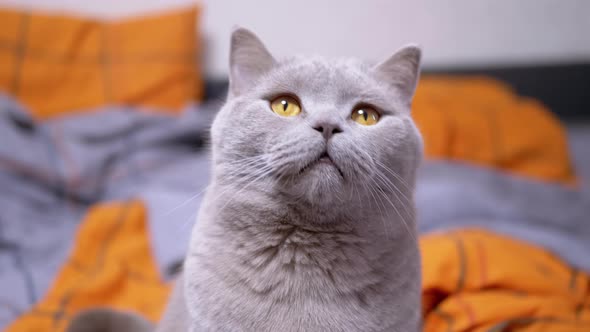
x: 565, y: 89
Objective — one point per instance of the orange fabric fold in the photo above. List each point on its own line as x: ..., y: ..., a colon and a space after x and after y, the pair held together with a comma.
x: 482, y: 121
x: 111, y: 265
x: 474, y: 280
x: 59, y: 64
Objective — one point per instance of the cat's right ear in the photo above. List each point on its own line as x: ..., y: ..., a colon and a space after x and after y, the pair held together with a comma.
x: 402, y: 71
x: 248, y: 61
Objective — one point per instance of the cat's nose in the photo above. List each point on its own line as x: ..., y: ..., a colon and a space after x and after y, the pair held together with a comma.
x: 327, y: 129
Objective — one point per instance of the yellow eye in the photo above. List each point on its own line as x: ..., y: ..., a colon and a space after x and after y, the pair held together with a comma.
x: 366, y: 116
x: 285, y: 106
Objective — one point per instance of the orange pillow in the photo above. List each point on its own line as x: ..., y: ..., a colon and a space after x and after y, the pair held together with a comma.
x: 58, y: 64
x: 482, y: 121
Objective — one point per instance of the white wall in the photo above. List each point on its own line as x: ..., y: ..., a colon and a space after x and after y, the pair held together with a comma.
x: 452, y: 32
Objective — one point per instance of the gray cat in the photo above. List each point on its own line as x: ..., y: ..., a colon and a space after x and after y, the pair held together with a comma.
x: 308, y: 223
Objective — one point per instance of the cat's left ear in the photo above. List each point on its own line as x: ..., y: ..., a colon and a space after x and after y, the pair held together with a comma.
x: 249, y: 60
x: 402, y: 71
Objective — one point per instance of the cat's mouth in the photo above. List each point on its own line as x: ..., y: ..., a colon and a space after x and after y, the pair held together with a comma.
x: 325, y: 160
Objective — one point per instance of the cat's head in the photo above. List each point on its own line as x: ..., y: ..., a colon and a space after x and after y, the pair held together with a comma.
x: 316, y: 129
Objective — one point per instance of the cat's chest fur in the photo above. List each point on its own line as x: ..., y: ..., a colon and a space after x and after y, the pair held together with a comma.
x: 248, y: 274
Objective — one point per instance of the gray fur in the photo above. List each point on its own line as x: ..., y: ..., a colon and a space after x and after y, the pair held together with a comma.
x: 328, y: 248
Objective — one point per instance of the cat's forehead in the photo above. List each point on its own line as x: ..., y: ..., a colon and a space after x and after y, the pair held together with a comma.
x: 340, y: 64
x: 337, y: 76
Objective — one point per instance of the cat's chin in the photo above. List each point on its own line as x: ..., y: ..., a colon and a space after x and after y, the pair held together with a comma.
x: 321, y: 184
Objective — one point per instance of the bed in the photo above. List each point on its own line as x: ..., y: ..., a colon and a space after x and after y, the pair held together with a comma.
x: 103, y: 160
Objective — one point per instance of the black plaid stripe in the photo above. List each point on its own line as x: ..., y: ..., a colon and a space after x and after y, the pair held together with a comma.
x: 573, y: 278
x: 105, y: 63
x: 496, y: 134
x: 19, y: 51
x: 93, y: 60
x: 448, y: 318
x: 462, y: 262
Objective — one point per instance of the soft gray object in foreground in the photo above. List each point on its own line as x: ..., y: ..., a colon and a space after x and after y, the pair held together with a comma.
x: 308, y: 223
x: 104, y: 320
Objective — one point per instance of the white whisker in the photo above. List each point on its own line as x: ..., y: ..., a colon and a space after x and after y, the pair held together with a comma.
x: 185, y: 202
x: 394, y: 174
x: 392, y: 187
x: 262, y: 173
x: 400, y: 215
x: 369, y: 189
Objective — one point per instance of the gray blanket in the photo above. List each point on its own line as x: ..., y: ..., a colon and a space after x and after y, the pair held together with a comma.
x: 454, y: 195
x: 51, y: 173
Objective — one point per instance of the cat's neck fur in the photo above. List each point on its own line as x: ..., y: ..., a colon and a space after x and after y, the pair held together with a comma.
x: 337, y: 274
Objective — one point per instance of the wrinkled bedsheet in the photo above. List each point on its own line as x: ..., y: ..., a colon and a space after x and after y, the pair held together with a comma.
x: 96, y: 209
